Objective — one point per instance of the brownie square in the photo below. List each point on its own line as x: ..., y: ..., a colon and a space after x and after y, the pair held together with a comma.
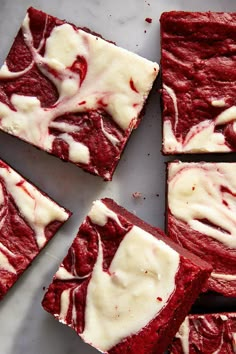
x: 201, y: 217
x: 198, y: 82
x: 124, y: 287
x: 69, y: 92
x: 206, y: 333
x: 28, y: 220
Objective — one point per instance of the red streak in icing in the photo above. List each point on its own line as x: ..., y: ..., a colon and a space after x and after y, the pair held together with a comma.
x: 224, y: 189
x: 102, y: 103
x: 132, y: 86
x: 21, y: 185
x: 3, y: 165
x: 80, y: 67
x: 225, y: 203
x: 81, y: 103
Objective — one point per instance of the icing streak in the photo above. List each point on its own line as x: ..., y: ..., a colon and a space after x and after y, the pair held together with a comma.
x: 26, y: 224
x: 213, y: 334
x: 37, y: 210
x: 132, y: 86
x: 203, y: 196
x: 90, y: 76
x: 116, y: 288
x: 201, y: 137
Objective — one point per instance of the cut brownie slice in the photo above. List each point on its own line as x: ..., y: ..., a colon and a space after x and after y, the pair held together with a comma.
x: 124, y: 287
x: 199, y: 82
x: 210, y: 333
x: 202, y: 217
x: 28, y: 220
x: 71, y: 93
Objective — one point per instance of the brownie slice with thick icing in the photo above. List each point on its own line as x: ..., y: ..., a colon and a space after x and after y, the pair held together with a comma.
x: 28, y: 220
x: 206, y: 334
x: 202, y: 217
x: 124, y: 287
x: 199, y: 82
x: 71, y: 93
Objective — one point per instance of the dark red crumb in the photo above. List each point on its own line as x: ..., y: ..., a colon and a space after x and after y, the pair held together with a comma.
x: 44, y: 287
x: 145, y: 31
x: 148, y: 19
x: 159, y: 298
x: 157, y: 195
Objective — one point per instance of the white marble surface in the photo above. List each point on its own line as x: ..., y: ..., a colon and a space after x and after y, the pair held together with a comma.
x: 25, y: 327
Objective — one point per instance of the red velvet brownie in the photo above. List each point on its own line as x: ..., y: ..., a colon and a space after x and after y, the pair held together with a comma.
x: 28, y: 220
x: 199, y: 82
x: 206, y: 334
x: 71, y: 93
x: 124, y: 287
x: 202, y: 217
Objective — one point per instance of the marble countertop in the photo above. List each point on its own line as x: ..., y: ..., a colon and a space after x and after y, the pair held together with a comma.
x: 25, y: 327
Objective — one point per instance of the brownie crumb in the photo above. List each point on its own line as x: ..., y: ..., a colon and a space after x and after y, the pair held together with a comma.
x: 137, y: 195
x: 148, y: 19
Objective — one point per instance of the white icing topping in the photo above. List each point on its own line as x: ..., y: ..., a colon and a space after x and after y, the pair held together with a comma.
x: 77, y: 152
x: 110, y: 67
x: 221, y: 276
x: 100, y: 213
x: 218, y: 103
x: 138, y: 286
x: 62, y: 46
x: 5, y: 73
x: 226, y: 116
x: 4, y: 262
x: 234, y: 341
x: 37, y: 209
x: 172, y: 95
x: 195, y: 193
x: 64, y: 304
x: 183, y: 335
x: 202, y: 136
x: 224, y: 317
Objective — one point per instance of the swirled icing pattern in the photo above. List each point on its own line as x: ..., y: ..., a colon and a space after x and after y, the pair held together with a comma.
x: 199, y: 82
x: 202, y: 204
x: 28, y: 219
x: 100, y: 289
x: 82, y: 95
x: 206, y: 334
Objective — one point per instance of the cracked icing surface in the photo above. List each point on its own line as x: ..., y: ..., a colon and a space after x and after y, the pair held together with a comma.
x: 28, y: 219
x: 211, y: 333
x: 92, y: 77
x: 202, y: 196
x: 199, y: 82
x: 105, y: 277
